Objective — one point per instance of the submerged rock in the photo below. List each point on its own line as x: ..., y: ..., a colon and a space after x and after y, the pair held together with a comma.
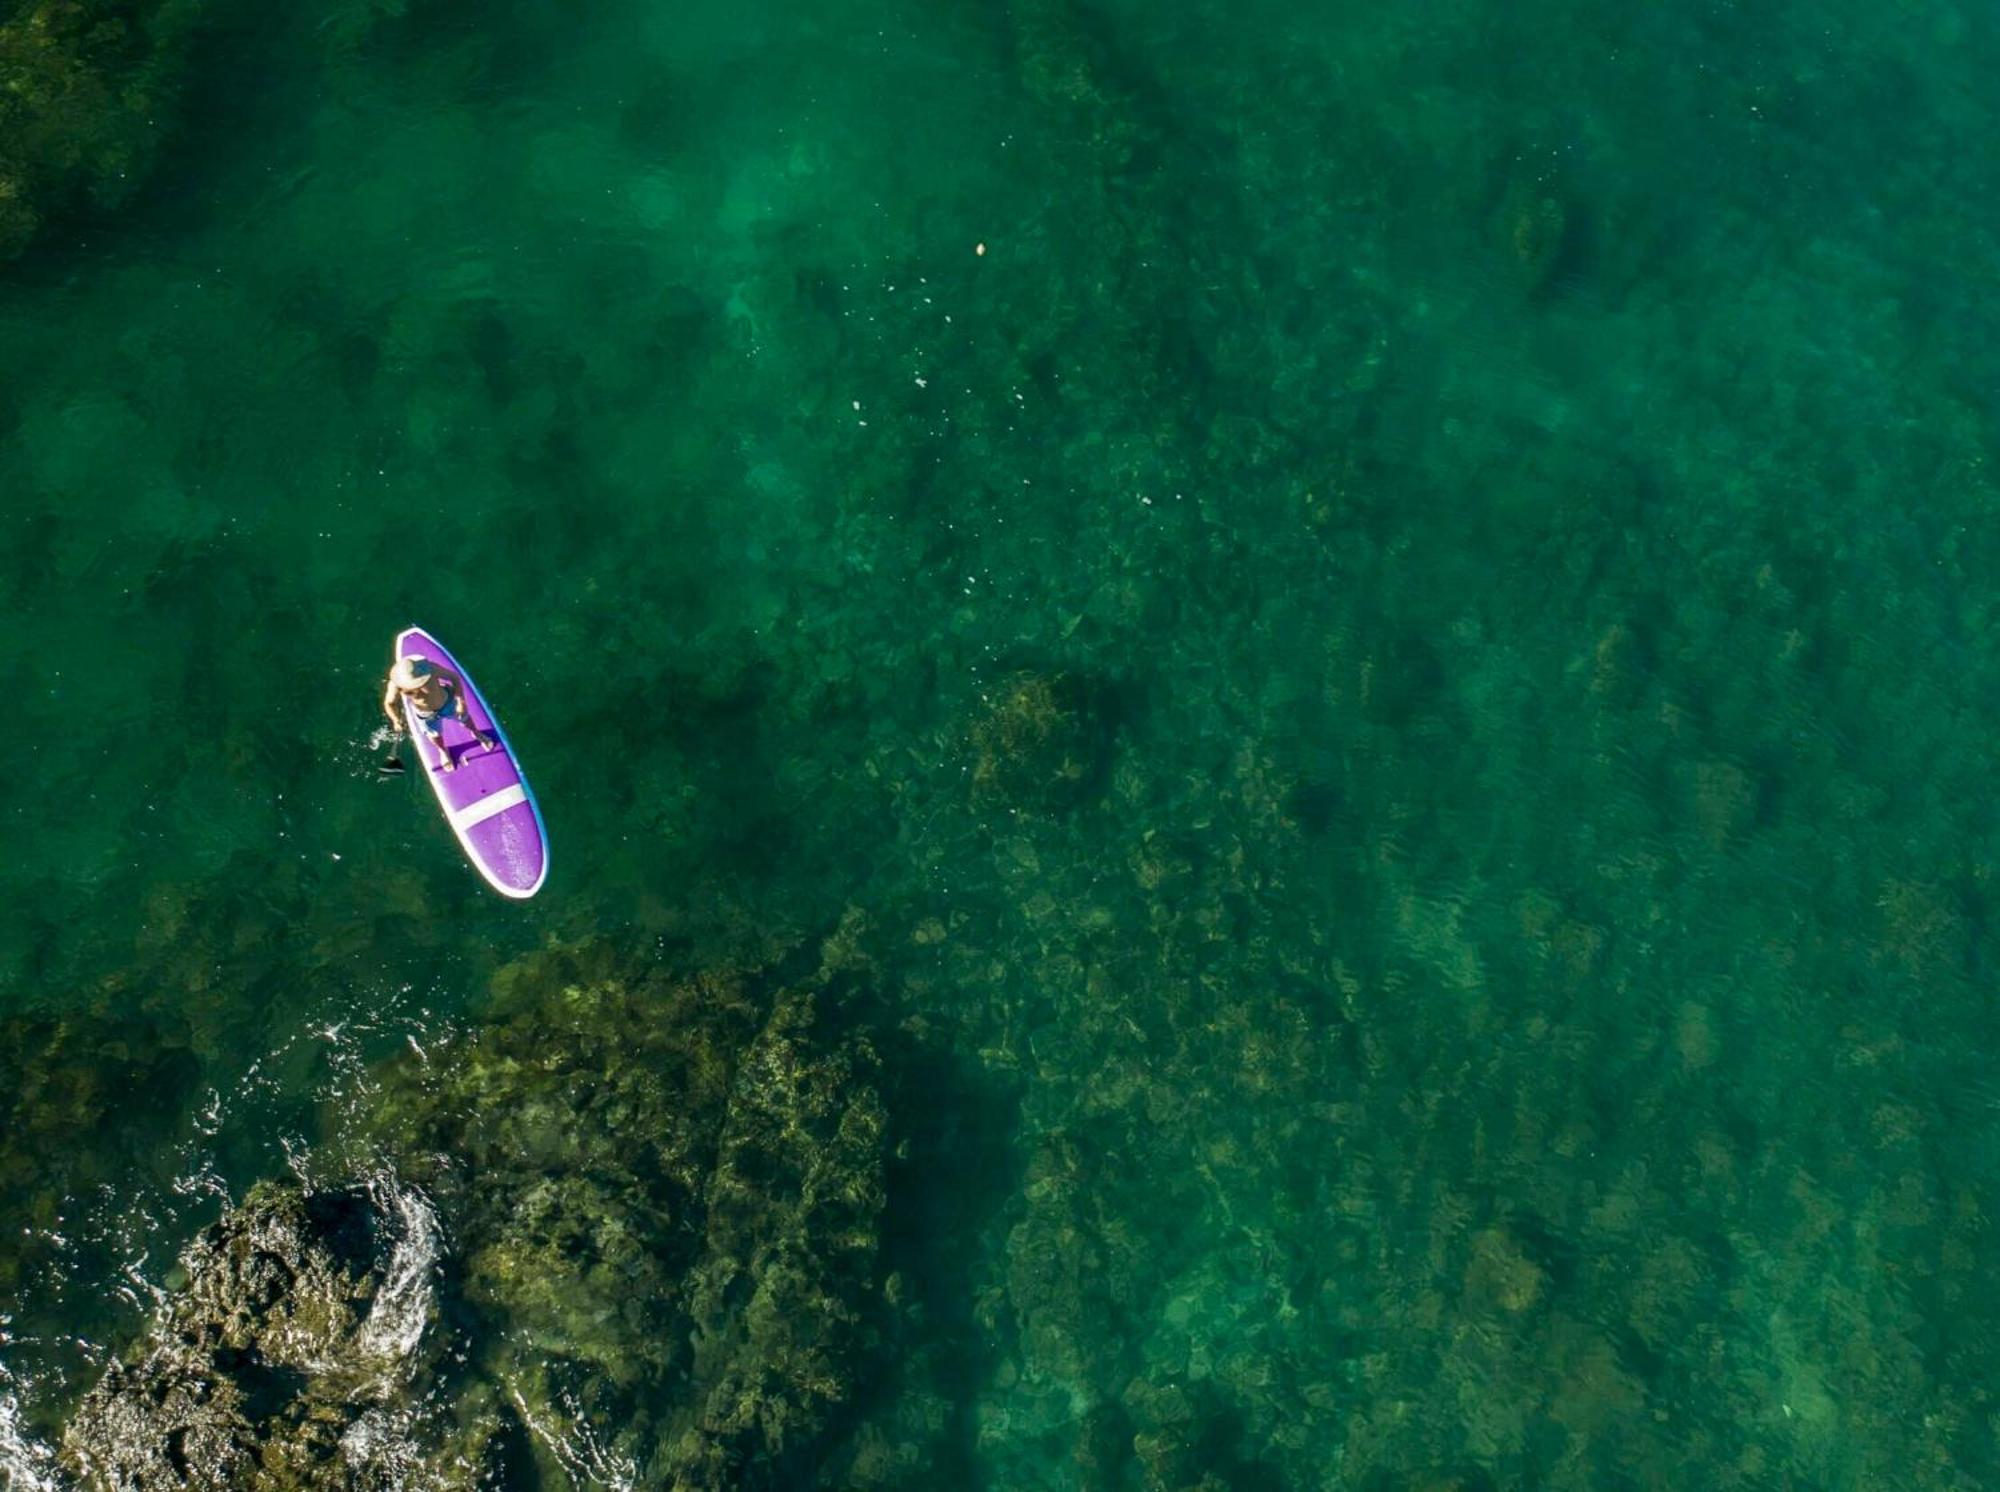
x: 1035, y: 743
x: 663, y: 1200
x: 779, y: 1300
x: 666, y: 1196
x: 64, y: 1077
x: 85, y: 89
x: 302, y: 1317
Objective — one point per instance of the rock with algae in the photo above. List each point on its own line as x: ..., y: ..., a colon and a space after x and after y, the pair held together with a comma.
x: 662, y: 1198
x: 665, y: 1193
x: 278, y: 1364
x: 1034, y: 742
x: 61, y: 1077
x: 86, y: 87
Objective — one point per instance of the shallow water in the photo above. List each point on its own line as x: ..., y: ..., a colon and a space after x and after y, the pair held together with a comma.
x: 1488, y: 984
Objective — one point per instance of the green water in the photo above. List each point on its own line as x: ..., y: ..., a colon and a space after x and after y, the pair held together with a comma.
x: 1489, y: 987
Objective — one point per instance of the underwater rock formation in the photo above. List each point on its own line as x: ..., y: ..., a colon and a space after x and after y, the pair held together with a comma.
x: 86, y: 87
x: 1034, y: 744
x: 662, y: 1200
x: 302, y: 1315
x: 665, y: 1194
x: 65, y: 1077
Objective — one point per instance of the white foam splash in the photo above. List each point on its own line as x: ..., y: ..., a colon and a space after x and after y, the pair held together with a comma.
x: 381, y: 1443
x: 576, y: 1448
x: 407, y: 1301
x: 323, y: 1054
x: 26, y: 1465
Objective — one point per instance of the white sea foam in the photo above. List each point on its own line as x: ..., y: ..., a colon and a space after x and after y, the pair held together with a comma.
x: 407, y: 1300
x: 576, y: 1447
x: 383, y: 1443
x: 26, y: 1465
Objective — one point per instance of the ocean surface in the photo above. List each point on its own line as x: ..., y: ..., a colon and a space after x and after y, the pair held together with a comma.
x: 1374, y: 624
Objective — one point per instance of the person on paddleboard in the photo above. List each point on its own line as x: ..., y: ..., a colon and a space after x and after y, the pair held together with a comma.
x: 436, y: 695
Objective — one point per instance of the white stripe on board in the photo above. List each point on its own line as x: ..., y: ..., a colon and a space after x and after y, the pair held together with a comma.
x: 479, y: 812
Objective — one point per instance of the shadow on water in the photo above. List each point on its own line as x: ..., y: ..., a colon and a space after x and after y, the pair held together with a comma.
x: 950, y: 1179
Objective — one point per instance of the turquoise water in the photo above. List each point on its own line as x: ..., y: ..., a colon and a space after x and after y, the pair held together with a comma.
x: 1387, y: 687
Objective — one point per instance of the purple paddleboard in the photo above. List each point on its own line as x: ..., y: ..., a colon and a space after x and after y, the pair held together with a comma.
x: 486, y: 799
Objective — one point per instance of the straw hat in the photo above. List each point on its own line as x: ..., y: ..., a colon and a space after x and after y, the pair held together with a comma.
x: 410, y: 672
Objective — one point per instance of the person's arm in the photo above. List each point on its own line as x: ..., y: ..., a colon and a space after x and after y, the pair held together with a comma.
x: 392, y: 707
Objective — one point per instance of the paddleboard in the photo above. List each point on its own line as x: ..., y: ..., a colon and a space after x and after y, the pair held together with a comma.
x: 486, y: 799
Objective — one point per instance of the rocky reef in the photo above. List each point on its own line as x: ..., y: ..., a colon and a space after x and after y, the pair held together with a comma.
x: 1034, y: 742
x: 61, y: 1077
x: 665, y: 1193
x: 87, y: 89
x: 625, y: 1233
x: 302, y: 1316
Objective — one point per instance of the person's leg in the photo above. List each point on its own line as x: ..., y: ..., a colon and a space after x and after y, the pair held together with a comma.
x: 436, y: 734
x: 457, y: 710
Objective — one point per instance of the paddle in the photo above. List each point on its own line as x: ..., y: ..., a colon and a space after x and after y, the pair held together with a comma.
x: 392, y: 765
